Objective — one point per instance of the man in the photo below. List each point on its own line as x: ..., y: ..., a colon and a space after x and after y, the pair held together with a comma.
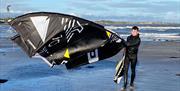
x: 131, y: 51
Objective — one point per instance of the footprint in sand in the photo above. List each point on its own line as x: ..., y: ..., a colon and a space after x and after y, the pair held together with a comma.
x: 3, y: 81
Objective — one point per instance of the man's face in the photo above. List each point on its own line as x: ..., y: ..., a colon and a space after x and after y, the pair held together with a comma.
x: 134, y: 32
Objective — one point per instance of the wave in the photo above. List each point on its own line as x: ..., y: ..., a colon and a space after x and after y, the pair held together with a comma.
x: 175, y: 35
x: 7, y: 32
x: 156, y: 36
x: 160, y: 28
x: 170, y: 35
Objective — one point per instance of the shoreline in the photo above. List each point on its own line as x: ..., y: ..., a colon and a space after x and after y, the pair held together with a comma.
x: 158, y: 65
x: 147, y: 48
x: 115, y: 23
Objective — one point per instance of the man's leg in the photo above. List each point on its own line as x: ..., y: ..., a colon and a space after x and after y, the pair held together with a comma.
x: 133, y: 70
x: 126, y: 66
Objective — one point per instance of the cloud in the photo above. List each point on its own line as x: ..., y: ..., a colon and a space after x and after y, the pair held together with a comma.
x: 16, y: 6
x: 84, y: 5
x: 130, y: 18
x: 129, y: 10
x: 171, y: 17
x: 168, y: 5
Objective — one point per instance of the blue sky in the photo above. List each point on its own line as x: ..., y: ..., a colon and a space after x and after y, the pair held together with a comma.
x: 118, y: 10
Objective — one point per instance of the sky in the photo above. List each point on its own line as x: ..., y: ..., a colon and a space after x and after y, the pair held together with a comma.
x: 116, y: 10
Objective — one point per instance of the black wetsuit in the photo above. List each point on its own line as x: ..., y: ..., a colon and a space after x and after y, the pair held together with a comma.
x: 132, y: 46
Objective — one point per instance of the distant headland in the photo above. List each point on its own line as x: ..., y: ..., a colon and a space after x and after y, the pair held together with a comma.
x: 109, y: 22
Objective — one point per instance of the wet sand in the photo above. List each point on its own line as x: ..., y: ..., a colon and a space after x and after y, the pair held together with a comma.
x: 158, y: 69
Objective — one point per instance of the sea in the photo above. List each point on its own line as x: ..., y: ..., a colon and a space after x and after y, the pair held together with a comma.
x: 152, y: 32
x: 25, y: 75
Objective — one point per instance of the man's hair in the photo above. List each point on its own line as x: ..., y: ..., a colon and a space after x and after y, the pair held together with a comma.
x: 135, y: 28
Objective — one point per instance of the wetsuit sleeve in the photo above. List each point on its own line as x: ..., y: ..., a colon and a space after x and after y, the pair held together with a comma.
x: 133, y: 43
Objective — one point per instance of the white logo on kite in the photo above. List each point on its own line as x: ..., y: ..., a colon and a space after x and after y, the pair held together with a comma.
x: 70, y: 28
x: 93, y: 56
x: 55, y: 41
x: 41, y: 24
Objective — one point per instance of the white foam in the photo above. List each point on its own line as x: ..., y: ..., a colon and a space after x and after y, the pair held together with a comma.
x: 142, y: 27
x: 156, y: 36
x: 169, y: 35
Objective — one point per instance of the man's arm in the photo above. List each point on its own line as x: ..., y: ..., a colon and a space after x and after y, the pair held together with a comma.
x: 133, y: 43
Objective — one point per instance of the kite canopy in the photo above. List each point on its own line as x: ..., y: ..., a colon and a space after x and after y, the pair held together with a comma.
x: 59, y: 38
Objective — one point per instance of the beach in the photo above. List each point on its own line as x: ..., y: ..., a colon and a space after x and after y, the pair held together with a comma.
x: 157, y: 67
x: 85, y: 31
x: 157, y: 70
